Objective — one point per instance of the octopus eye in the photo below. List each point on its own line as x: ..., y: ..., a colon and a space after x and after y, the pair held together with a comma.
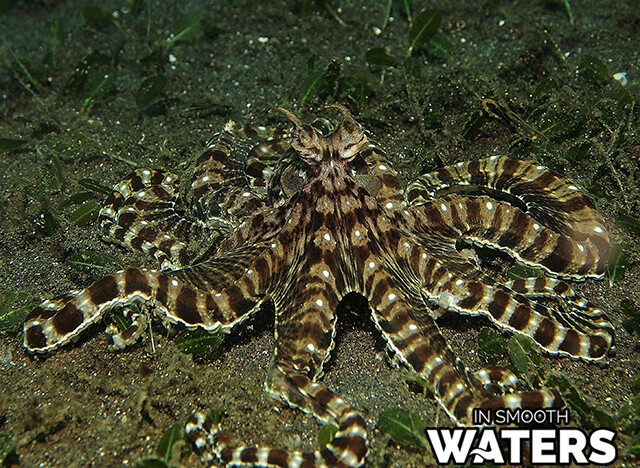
x: 350, y: 149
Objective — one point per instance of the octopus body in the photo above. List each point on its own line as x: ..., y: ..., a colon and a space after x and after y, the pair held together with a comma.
x: 307, y: 234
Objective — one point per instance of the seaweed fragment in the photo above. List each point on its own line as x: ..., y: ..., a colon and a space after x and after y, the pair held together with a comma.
x: 404, y: 427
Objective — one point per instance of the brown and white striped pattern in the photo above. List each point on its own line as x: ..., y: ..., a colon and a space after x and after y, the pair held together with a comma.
x: 144, y: 213
x: 304, y: 232
x: 553, y: 225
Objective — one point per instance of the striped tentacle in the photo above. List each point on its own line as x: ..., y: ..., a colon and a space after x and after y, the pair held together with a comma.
x: 144, y: 213
x: 172, y: 296
x: 487, y: 222
x: 420, y: 345
x: 138, y: 323
x: 557, y: 228
x: 216, y: 292
x: 571, y: 309
x: 229, y: 180
x: 305, y: 319
x: 347, y: 449
x: 581, y: 332
x: 266, y: 149
x: 547, y: 327
x: 305, y: 325
x: 497, y: 378
x: 218, y: 180
x: 548, y: 288
x: 392, y: 282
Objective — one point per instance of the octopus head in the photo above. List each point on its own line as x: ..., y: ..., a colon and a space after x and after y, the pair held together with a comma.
x: 342, y: 144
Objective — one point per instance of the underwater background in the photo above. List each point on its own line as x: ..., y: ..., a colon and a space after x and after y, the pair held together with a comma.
x: 91, y: 90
